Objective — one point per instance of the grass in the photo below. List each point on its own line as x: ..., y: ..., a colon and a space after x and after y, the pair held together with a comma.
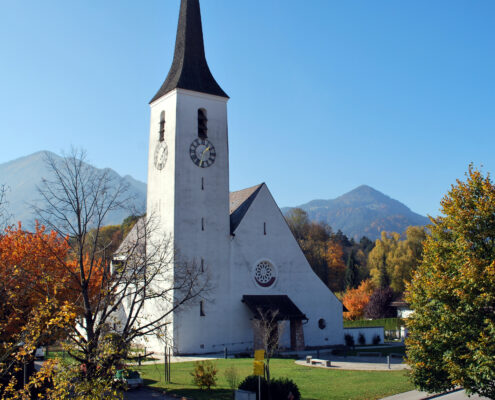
x: 314, y: 383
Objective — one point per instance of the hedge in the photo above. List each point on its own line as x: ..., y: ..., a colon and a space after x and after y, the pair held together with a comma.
x: 388, y: 323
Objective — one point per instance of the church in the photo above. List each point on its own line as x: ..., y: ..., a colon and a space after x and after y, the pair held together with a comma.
x: 241, y: 237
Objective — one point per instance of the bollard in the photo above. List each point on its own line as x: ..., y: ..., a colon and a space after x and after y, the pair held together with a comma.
x: 388, y: 361
x: 225, y: 352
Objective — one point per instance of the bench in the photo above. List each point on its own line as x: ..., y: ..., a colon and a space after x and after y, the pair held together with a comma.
x: 325, y: 363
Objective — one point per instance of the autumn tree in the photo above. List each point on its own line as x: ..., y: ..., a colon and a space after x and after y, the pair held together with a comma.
x: 355, y: 300
x: 36, y: 306
x: 393, y: 259
x: 76, y: 201
x: 334, y: 257
x: 452, y: 330
x: 339, y: 262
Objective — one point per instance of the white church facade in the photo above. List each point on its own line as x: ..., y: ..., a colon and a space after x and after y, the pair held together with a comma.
x: 242, y: 238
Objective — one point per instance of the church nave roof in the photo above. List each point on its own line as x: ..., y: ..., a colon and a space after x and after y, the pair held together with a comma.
x: 240, y: 202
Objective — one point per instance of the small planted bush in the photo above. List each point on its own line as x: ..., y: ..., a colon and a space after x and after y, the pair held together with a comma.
x: 232, y: 377
x: 204, y: 374
x: 361, y: 339
x: 376, y: 339
x: 279, y: 389
x: 251, y: 385
x: 349, y: 340
x: 282, y: 388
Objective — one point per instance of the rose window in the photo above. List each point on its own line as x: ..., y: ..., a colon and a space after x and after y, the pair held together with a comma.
x: 264, y: 274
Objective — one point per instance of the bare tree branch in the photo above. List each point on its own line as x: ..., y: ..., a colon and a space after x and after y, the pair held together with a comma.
x: 148, y: 280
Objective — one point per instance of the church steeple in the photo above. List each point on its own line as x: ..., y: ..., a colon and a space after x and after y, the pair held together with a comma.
x: 189, y: 68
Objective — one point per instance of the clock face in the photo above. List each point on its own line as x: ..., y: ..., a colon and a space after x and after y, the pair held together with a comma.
x: 202, y: 153
x: 161, y: 153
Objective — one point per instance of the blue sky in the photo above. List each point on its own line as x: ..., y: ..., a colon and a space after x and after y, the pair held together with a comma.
x: 325, y: 95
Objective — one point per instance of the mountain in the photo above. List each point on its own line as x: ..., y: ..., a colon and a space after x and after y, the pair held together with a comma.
x: 21, y: 176
x: 363, y: 211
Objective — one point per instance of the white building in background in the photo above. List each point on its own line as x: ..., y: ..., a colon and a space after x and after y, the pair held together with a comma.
x: 241, y: 237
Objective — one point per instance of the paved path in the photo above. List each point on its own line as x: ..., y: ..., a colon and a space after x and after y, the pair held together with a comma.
x: 360, y: 363
x: 416, y: 395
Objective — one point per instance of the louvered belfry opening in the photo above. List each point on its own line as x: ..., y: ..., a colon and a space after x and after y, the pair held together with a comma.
x: 162, y: 127
x: 202, y: 124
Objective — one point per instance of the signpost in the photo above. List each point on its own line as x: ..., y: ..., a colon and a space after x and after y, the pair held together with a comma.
x: 259, y: 368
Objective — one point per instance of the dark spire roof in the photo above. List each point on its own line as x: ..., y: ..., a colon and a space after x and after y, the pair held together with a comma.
x: 189, y: 68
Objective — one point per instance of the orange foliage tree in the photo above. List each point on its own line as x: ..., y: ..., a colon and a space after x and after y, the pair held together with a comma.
x: 334, y: 256
x: 355, y: 300
x: 36, y: 306
x: 31, y: 270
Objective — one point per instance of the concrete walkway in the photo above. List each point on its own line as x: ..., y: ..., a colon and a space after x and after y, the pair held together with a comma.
x: 360, y: 363
x: 417, y: 395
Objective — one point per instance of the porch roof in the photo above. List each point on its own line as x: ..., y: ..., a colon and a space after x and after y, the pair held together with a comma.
x: 282, y: 304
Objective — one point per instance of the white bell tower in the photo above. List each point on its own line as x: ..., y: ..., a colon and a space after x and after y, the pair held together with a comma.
x: 188, y: 181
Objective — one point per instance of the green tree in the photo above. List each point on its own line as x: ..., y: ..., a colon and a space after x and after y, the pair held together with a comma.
x: 452, y: 331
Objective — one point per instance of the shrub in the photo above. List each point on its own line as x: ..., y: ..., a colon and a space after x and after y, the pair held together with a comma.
x: 282, y: 387
x: 349, y: 340
x: 376, y: 339
x: 251, y: 385
x: 204, y: 374
x: 279, y: 388
x: 232, y: 377
x: 361, y: 339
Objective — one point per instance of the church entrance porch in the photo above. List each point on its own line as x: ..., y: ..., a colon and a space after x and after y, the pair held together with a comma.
x: 270, y: 316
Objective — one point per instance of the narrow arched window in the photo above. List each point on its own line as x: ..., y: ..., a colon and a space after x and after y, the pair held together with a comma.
x: 162, y: 126
x: 202, y: 124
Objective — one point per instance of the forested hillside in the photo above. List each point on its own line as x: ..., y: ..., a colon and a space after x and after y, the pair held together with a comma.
x: 366, y: 275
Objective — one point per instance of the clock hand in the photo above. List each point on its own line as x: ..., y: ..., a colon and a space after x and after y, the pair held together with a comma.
x: 203, y: 155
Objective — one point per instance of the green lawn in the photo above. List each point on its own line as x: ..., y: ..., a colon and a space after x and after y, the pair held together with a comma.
x: 314, y: 383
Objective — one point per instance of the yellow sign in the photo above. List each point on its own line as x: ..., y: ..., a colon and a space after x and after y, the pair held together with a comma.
x: 258, y: 368
x: 259, y: 355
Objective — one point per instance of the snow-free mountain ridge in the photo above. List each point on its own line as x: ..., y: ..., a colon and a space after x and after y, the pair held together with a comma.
x: 363, y: 211
x: 23, y: 175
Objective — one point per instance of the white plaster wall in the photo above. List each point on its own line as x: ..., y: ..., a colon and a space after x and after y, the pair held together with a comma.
x: 369, y: 333
x: 161, y: 200
x: 194, y: 333
x: 176, y: 197
x: 295, y: 276
x: 404, y: 312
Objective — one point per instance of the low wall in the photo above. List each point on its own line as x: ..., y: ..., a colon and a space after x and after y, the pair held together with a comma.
x: 368, y: 332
